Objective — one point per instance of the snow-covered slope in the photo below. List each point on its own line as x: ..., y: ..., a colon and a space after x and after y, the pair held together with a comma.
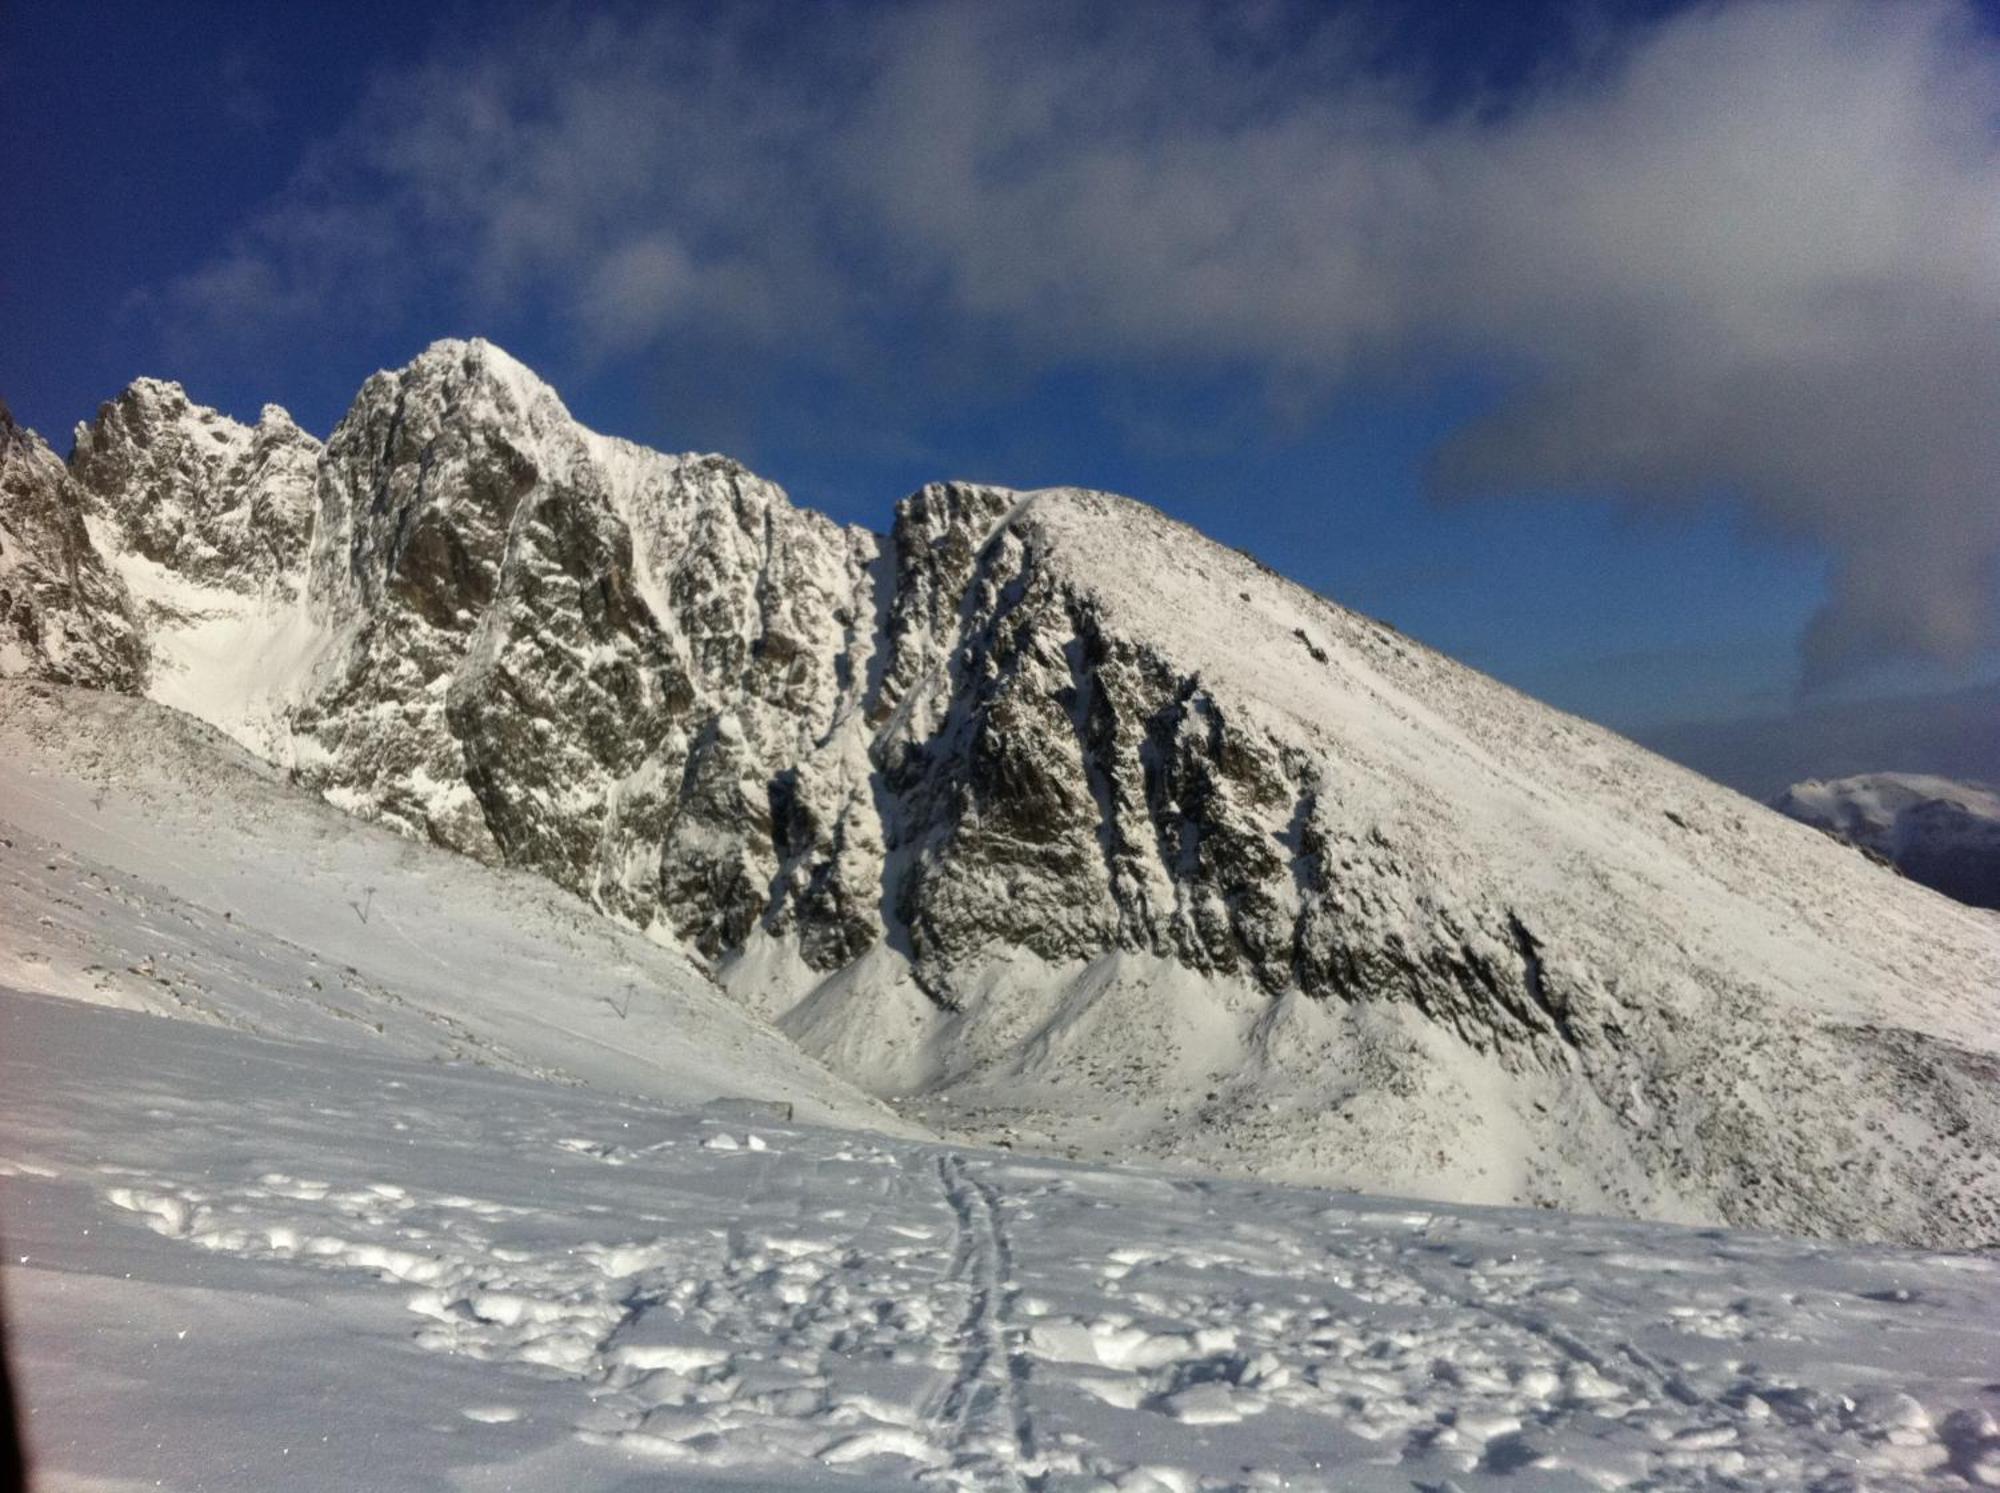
x: 1942, y: 833
x: 1052, y: 818
x: 147, y: 863
x: 313, y: 1267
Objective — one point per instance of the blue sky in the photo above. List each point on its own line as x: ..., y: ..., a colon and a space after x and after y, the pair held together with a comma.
x: 1641, y: 355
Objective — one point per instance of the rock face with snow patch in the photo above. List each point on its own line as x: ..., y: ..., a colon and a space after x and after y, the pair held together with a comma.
x: 1050, y: 803
x: 1941, y: 833
x: 64, y: 615
x: 1068, y: 782
x: 220, y: 503
x: 571, y: 653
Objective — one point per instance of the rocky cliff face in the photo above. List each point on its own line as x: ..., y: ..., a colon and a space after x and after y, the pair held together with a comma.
x: 64, y: 615
x: 1047, y: 805
x: 1066, y: 782
x: 216, y: 502
x: 628, y: 670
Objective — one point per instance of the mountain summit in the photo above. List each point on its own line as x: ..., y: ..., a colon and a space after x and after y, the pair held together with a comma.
x: 1044, y: 813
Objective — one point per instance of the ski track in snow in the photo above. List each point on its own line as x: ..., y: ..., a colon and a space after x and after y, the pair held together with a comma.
x: 630, y: 1291
x: 984, y: 1405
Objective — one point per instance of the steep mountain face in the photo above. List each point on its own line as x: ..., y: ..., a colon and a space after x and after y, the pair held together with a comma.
x: 609, y: 664
x: 206, y: 522
x: 1062, y: 821
x: 1178, y: 836
x: 1077, y: 778
x: 64, y: 615
x: 1941, y: 833
x: 216, y: 502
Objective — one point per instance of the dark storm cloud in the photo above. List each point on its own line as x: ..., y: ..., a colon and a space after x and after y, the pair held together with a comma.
x: 1750, y: 248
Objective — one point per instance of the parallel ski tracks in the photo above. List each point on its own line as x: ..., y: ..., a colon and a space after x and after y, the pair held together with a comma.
x: 982, y: 1413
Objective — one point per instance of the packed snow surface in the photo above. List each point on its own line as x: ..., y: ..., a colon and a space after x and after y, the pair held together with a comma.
x: 240, y: 1263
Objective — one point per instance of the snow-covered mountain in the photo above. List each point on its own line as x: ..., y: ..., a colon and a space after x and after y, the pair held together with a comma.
x: 1058, y: 821
x: 1943, y: 833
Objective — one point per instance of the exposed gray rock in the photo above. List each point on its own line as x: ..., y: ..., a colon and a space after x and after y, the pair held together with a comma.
x: 598, y: 661
x: 188, y: 488
x: 64, y: 615
x: 1063, y: 786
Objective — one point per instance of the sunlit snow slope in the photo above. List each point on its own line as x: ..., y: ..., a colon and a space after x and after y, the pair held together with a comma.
x: 149, y: 864
x: 243, y: 1264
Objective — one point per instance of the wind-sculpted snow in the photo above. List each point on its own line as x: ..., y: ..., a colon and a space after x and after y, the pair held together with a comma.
x: 249, y: 1238
x: 1049, y: 807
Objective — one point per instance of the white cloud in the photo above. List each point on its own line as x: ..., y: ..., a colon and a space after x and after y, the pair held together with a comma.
x: 637, y: 290
x: 1752, y: 247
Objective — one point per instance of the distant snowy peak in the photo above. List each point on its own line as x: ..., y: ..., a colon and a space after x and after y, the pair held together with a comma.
x: 1937, y: 831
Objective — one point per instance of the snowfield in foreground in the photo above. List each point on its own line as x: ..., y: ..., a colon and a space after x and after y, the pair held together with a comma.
x: 240, y: 1263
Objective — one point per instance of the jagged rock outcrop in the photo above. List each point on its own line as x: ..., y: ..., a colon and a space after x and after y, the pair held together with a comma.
x: 1067, y: 784
x: 64, y: 615
x: 605, y: 662
x: 1049, y: 804
x: 204, y: 522
x: 215, y: 502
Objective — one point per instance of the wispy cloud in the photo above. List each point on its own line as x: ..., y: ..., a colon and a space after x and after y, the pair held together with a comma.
x: 1750, y: 248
